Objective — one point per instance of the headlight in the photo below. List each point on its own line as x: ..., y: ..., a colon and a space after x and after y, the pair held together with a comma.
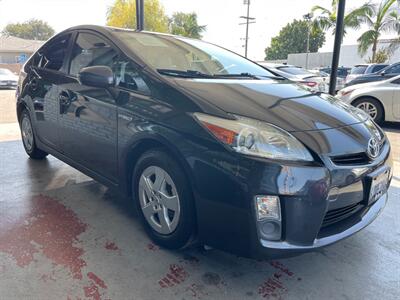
x: 255, y: 138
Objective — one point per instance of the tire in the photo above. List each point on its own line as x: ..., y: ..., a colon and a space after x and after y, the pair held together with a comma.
x: 150, y: 198
x: 371, y: 105
x: 28, y: 137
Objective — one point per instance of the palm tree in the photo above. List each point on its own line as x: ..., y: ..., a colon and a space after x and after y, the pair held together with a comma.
x: 382, y: 18
x: 186, y: 25
x: 326, y: 18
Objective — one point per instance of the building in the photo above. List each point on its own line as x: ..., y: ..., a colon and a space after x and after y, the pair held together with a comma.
x: 349, y: 57
x: 15, y: 51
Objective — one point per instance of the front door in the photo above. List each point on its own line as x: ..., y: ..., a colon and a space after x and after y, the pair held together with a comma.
x: 88, y: 115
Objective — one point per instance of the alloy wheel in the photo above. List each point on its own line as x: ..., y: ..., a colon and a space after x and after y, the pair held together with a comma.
x: 27, y: 133
x: 159, y: 200
x: 369, y: 108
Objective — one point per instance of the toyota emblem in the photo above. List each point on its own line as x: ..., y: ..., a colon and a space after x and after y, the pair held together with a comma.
x: 373, y: 148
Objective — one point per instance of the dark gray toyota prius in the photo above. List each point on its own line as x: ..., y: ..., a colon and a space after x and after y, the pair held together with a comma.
x: 209, y: 146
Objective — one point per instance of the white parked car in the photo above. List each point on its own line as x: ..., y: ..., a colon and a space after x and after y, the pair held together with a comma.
x: 298, y: 75
x: 8, y: 79
x: 380, y: 99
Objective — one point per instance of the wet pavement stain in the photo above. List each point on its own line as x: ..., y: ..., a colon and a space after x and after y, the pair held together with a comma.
x: 175, y: 276
x: 211, y: 278
x: 49, y: 228
x: 111, y: 246
x: 274, y: 286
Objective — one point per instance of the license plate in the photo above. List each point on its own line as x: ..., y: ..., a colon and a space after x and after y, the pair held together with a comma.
x: 379, y: 186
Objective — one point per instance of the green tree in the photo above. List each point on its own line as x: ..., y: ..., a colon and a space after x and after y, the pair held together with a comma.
x: 32, y: 30
x: 325, y: 18
x: 382, y: 18
x: 382, y: 56
x: 186, y: 25
x: 293, y: 39
x: 123, y: 14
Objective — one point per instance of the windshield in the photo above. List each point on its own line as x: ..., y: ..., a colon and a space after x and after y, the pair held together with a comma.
x: 296, y: 71
x: 5, y: 72
x: 163, y: 52
x: 358, y: 70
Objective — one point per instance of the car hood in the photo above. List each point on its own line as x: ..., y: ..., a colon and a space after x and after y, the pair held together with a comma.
x: 287, y: 105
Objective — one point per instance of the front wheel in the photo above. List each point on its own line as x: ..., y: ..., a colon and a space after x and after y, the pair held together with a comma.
x: 164, y: 200
x: 28, y: 137
x: 372, y: 107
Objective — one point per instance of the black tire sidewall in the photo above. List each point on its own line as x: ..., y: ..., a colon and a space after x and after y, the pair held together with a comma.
x: 377, y: 104
x: 25, y: 114
x: 185, y: 229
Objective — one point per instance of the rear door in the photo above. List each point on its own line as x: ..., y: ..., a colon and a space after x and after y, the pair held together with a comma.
x: 88, y: 115
x: 47, y: 71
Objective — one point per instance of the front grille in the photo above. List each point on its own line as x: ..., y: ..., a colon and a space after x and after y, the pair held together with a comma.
x: 337, y: 215
x: 351, y: 159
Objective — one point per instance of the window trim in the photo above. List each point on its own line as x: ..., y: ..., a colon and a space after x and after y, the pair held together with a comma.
x: 62, y: 70
x: 119, y: 52
x: 92, y: 32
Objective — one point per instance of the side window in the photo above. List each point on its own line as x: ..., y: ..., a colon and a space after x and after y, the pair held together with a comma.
x: 53, y: 55
x: 91, y: 50
x: 127, y: 76
x: 393, y: 70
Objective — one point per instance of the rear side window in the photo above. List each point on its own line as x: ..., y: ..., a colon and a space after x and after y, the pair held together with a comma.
x: 393, y: 70
x: 52, y: 57
x: 358, y: 70
x: 377, y: 68
x: 91, y: 50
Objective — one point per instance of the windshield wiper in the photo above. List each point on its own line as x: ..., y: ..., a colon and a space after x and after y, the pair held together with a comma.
x: 244, y: 74
x: 198, y: 74
x: 185, y: 74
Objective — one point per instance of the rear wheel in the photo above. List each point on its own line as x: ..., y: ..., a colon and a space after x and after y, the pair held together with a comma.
x: 28, y: 137
x: 164, y: 200
x: 372, y: 107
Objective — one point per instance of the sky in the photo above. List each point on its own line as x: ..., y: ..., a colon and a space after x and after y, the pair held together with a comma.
x: 220, y: 16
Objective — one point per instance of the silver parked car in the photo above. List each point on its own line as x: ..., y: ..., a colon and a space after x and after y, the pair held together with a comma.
x: 364, y: 69
x: 8, y: 79
x: 379, y: 99
x: 298, y: 75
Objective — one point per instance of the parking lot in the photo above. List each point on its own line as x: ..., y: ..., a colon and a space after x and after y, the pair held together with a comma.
x: 61, y: 233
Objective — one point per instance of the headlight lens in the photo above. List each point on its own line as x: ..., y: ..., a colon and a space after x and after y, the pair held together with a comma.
x: 255, y: 138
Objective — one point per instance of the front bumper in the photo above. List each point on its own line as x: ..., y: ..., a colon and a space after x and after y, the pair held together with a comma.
x: 360, y: 221
x: 225, y: 191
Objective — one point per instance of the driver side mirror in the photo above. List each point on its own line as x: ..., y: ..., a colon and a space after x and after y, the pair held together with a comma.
x: 383, y: 73
x: 96, y: 76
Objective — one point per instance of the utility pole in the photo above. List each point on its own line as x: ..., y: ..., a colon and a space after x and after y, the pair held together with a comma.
x: 140, y: 15
x: 247, y: 23
x: 308, y: 18
x: 336, y: 47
